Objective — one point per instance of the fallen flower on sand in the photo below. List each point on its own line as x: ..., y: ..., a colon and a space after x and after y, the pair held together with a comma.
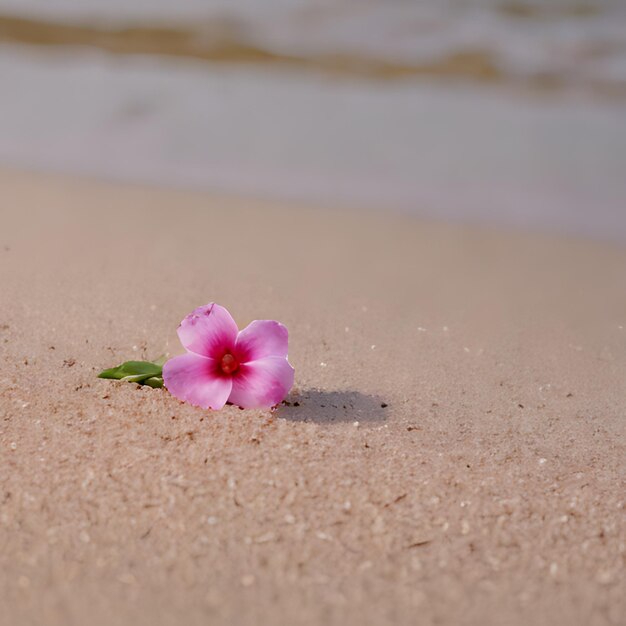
x: 248, y: 368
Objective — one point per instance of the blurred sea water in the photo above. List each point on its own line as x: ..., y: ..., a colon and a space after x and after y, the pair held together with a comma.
x: 509, y: 112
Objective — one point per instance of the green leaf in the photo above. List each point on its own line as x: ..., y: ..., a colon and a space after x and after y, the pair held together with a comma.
x: 156, y: 382
x: 137, y: 378
x: 133, y: 371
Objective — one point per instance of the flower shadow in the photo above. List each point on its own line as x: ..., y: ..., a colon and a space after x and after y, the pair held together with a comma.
x: 329, y: 407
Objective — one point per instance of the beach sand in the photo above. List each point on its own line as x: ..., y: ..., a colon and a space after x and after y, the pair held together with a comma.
x: 452, y: 452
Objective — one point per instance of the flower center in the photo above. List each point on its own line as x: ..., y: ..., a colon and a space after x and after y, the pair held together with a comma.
x: 229, y: 364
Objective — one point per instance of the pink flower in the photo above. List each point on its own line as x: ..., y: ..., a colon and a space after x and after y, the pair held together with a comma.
x: 223, y: 364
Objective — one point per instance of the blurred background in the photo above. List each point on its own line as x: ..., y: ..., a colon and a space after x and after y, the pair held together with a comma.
x: 505, y: 112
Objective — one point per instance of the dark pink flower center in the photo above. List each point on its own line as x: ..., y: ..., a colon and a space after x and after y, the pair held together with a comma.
x: 229, y: 364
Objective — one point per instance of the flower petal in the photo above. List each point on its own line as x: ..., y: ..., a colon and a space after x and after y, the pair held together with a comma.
x: 194, y: 379
x: 262, y: 384
x: 260, y: 339
x: 209, y: 331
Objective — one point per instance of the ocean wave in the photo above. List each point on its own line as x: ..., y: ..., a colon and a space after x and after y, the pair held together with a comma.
x: 565, y: 46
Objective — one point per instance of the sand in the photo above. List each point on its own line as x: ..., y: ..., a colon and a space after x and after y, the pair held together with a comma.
x: 452, y: 453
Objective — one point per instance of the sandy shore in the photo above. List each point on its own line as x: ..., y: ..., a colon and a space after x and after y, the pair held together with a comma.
x: 453, y: 452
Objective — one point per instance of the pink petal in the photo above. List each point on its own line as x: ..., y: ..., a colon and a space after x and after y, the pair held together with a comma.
x: 195, y: 379
x: 262, y: 384
x: 209, y: 330
x: 260, y: 339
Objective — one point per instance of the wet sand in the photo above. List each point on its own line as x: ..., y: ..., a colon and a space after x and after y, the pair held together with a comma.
x: 452, y: 453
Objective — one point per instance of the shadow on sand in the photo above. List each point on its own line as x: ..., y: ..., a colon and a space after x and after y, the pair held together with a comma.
x: 328, y: 407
